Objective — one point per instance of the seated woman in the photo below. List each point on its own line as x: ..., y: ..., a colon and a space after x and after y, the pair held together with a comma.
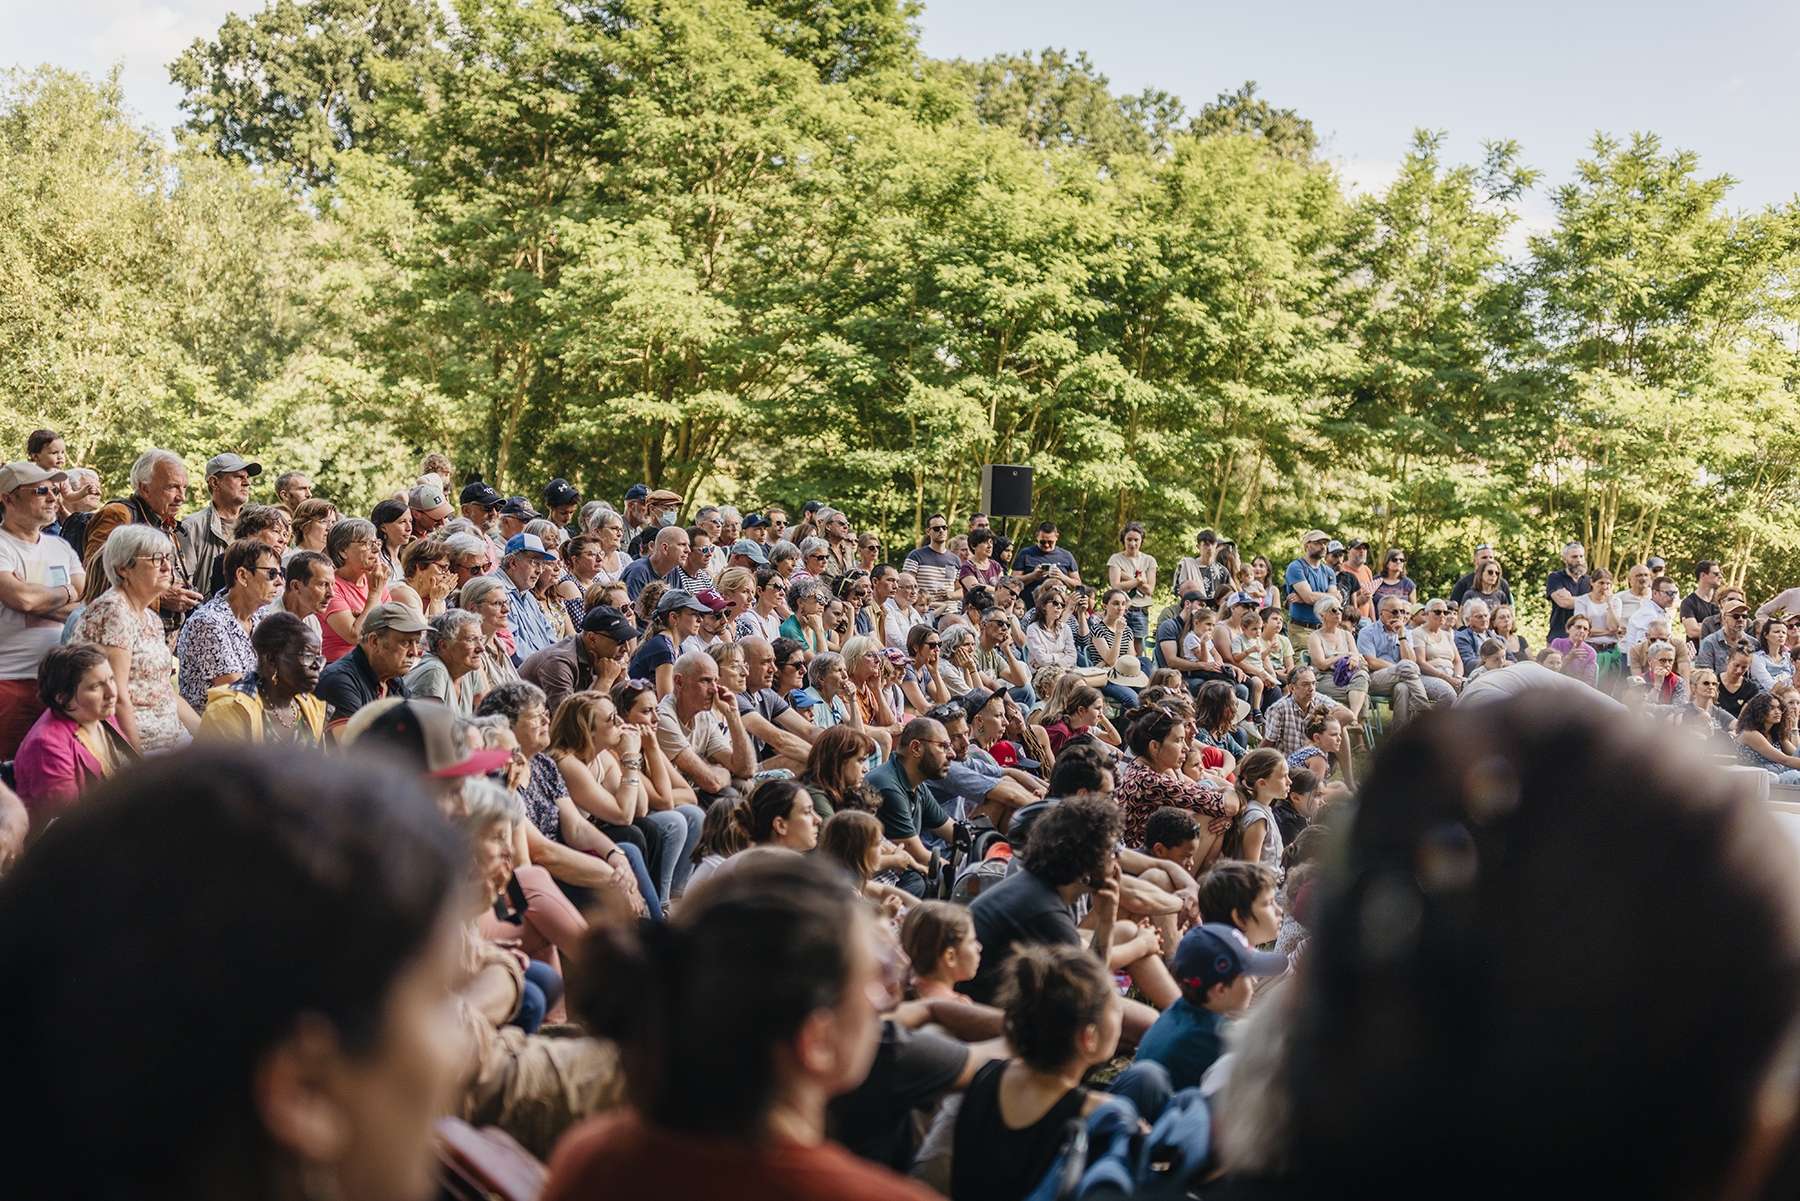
x: 138, y: 561
x: 1076, y: 709
x: 1048, y: 641
x: 1503, y: 626
x: 505, y: 986
x: 276, y: 700
x: 214, y: 645
x: 429, y: 577
x: 577, y: 854
x: 1773, y: 657
x: 1155, y: 777
x: 779, y: 814
x: 836, y: 769
x: 735, y: 1092
x: 1763, y: 739
x: 998, y: 1139
x: 1661, y: 683
x: 487, y: 598
x: 1218, y: 716
x: 613, y: 792
x: 1579, y: 659
x: 76, y: 741
x: 1324, y: 749
x: 1343, y: 673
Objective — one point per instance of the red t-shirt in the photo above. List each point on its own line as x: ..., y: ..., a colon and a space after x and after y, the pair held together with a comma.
x: 619, y: 1156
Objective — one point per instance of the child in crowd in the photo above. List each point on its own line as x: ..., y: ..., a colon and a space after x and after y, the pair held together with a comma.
x: 939, y: 938
x: 1216, y: 971
x: 1262, y: 780
x: 852, y: 839
x: 1174, y: 835
x: 1242, y: 895
x: 1296, y: 811
x: 1493, y: 658
x: 721, y: 837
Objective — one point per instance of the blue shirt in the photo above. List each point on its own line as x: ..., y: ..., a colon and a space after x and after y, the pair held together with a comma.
x: 1318, y: 577
x: 1186, y: 1040
x: 530, y: 625
x: 1029, y: 558
x: 638, y: 574
x: 1375, y: 640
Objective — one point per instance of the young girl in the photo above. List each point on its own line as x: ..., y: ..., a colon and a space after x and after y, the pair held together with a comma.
x: 997, y: 1140
x: 721, y: 837
x: 1262, y: 780
x: 852, y: 839
x: 939, y: 938
x: 1277, y: 651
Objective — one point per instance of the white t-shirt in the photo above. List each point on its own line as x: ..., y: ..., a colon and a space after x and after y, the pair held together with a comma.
x: 709, y: 737
x: 25, y: 637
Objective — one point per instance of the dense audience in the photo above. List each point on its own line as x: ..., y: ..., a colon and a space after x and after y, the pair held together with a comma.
x: 742, y: 856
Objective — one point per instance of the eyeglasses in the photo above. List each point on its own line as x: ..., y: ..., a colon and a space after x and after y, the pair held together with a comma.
x: 314, y: 659
x: 42, y: 490
x: 159, y: 560
x: 270, y: 573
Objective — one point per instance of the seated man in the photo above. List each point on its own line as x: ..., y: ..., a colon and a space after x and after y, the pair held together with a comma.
x: 974, y: 782
x: 908, y: 810
x: 1394, y: 665
x: 391, y: 640
x: 699, y: 730
x: 591, y: 660
x: 780, y: 735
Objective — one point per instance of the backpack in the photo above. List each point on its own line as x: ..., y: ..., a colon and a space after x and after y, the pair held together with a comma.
x: 74, y: 531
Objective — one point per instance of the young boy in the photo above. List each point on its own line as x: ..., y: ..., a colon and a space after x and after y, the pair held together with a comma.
x: 1296, y: 812
x: 1214, y: 968
x: 1172, y: 834
x: 1242, y: 895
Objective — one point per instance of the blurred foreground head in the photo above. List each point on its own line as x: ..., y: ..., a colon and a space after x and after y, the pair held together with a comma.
x: 1561, y: 949
x: 227, y: 974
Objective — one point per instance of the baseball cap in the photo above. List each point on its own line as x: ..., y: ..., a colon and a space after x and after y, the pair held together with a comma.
x: 519, y: 507
x: 1656, y: 562
x: 1215, y: 953
x: 1359, y: 544
x: 427, y: 731
x: 1333, y: 547
x: 756, y: 521
x: 560, y: 492
x: 608, y: 622
x: 427, y: 498
x: 1315, y: 536
x: 681, y: 598
x: 712, y: 600
x: 801, y: 699
x: 1193, y: 594
x: 1241, y: 599
x: 528, y: 544
x: 23, y: 474
x: 750, y: 550
x: 812, y: 506
x: 637, y: 492
x: 1736, y: 606
x: 390, y: 616
x: 231, y: 462
x: 479, y: 493
x: 975, y: 700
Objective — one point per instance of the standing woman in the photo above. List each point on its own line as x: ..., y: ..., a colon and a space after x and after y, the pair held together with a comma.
x: 139, y: 562
x: 276, y: 701
x: 1135, y: 572
x: 1343, y: 675
x: 1259, y: 584
x: 313, y: 522
x: 1606, y: 622
x: 1489, y: 585
x: 362, y: 574
x: 1393, y: 580
x: 392, y: 520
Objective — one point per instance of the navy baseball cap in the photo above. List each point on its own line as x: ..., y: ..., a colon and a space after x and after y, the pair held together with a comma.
x: 519, y: 507
x: 638, y: 492
x: 1217, y: 954
x: 801, y: 699
x: 478, y: 493
x: 561, y: 492
x: 756, y: 521
x: 608, y: 622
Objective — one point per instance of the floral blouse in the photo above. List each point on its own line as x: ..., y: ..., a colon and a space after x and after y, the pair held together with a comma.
x: 111, y: 621
x: 212, y: 644
x: 540, y: 794
x: 1142, y: 790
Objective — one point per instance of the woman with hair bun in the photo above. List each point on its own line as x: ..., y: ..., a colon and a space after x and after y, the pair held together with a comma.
x: 737, y: 1021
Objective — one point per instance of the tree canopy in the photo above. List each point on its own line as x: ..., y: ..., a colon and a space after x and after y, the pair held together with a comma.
x: 766, y: 249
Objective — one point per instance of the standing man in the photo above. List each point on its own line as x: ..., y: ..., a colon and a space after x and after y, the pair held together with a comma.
x: 1345, y: 583
x: 1699, y: 605
x: 429, y: 508
x: 1308, y: 580
x: 931, y: 565
x: 203, y: 536
x: 40, y: 583
x: 1564, y: 585
x: 1044, y: 560
x: 159, y: 488
x: 1357, y: 564
x: 292, y: 487
x: 636, y: 511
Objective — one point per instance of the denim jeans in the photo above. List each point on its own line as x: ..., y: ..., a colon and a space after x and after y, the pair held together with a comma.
x: 1127, y: 699
x: 543, y: 989
x: 672, y: 835
x: 583, y: 898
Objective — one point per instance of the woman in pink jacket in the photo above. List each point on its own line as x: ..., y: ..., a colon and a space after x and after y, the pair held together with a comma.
x: 75, y: 743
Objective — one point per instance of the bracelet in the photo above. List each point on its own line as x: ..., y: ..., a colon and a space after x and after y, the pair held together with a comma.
x: 632, y: 761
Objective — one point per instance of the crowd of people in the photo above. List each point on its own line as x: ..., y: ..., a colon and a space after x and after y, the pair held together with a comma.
x: 745, y: 856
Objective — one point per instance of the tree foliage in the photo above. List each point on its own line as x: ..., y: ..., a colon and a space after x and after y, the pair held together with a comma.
x: 763, y: 249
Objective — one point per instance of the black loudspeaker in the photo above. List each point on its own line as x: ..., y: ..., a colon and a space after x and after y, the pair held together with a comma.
x: 1006, y: 490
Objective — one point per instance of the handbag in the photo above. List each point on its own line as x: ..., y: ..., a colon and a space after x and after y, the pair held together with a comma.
x: 1342, y: 672
x: 485, y: 1164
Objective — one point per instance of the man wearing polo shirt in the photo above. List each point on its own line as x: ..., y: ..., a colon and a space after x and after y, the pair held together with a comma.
x: 591, y: 660
x: 201, y: 538
x: 662, y: 563
x: 392, y: 637
x: 1307, y: 580
x: 931, y: 565
x: 524, y: 561
x: 907, y: 806
x: 40, y: 582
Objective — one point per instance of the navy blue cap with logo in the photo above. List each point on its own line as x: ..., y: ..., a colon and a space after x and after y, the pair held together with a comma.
x: 1215, y: 953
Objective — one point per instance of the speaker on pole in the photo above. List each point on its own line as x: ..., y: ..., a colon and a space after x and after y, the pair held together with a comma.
x: 1006, y: 490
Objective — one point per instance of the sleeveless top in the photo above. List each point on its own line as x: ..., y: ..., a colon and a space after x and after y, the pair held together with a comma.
x: 993, y: 1162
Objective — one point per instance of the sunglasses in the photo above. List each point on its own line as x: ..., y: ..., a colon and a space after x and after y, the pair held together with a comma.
x: 46, y: 490
x: 270, y: 573
x: 936, y: 529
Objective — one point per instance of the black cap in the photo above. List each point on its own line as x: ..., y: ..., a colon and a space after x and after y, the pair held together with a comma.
x: 756, y: 521
x: 559, y: 492
x: 519, y: 507
x: 479, y: 493
x: 608, y: 621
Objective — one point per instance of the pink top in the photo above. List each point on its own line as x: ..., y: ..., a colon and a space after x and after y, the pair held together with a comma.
x: 53, y: 768
x: 347, y: 596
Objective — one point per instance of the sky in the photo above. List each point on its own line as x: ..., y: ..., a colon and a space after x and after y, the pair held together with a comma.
x: 1719, y: 77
